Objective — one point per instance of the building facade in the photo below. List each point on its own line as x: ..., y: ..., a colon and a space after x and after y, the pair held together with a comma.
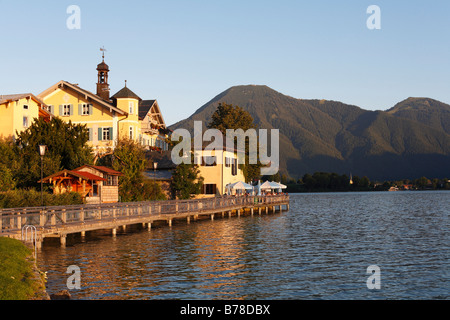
x: 108, y: 118
x: 219, y: 168
x: 17, y: 112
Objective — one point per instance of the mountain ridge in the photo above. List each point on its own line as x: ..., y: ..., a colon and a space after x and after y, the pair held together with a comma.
x: 331, y: 136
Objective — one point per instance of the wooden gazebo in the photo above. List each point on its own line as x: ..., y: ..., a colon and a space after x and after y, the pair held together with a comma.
x: 96, y: 184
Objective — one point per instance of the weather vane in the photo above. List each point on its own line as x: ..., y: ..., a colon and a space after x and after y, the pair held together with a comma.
x: 103, y: 52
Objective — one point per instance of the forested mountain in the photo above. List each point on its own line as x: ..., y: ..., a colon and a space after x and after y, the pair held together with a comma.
x: 410, y: 140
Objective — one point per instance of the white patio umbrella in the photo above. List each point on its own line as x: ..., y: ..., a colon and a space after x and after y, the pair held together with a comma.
x: 266, y: 185
x: 278, y: 185
x: 240, y: 186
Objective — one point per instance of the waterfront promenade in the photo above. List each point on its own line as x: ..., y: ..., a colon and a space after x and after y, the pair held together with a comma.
x: 45, y: 222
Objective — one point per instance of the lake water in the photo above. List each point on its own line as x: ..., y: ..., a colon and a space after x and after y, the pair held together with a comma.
x: 319, y: 249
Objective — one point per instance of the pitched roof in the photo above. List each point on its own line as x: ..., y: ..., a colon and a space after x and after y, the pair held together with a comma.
x: 125, y: 93
x: 102, y: 169
x: 5, y: 98
x: 86, y: 93
x: 74, y: 173
x: 144, y: 107
x: 14, y: 97
x: 89, y: 176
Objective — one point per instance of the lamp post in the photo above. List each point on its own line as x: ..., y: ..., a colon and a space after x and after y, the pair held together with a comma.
x: 42, y: 153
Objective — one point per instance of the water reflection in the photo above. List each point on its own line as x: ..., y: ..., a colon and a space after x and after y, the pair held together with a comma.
x: 319, y: 249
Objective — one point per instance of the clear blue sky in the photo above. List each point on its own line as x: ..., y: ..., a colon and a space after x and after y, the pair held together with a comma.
x: 183, y: 53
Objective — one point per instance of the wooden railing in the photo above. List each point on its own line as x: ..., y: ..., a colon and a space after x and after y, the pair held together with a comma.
x: 12, y: 220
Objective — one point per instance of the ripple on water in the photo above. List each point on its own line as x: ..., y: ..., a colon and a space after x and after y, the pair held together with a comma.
x: 319, y: 249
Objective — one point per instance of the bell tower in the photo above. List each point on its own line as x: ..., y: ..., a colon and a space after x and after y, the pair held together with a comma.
x: 102, y: 82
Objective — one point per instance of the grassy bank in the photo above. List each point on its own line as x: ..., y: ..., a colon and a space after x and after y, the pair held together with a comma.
x: 19, y: 278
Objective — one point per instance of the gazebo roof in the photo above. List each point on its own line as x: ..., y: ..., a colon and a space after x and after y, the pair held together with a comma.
x: 77, y: 174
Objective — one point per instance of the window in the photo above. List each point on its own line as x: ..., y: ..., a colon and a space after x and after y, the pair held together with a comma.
x: 131, y: 104
x: 208, y: 161
x: 25, y: 106
x: 106, y: 134
x: 65, y: 110
x: 51, y: 109
x: 131, y: 133
x: 209, y: 188
x: 84, y: 109
x: 25, y: 122
x: 234, y: 167
x: 227, y: 162
x: 111, y: 181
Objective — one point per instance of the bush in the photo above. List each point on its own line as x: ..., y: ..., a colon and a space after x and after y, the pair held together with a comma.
x: 32, y: 198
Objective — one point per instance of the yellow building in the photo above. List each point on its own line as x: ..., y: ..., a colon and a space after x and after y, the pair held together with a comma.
x: 17, y: 112
x: 123, y: 115
x: 219, y: 168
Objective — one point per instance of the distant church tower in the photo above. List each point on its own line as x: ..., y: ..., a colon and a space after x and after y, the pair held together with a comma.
x: 102, y: 82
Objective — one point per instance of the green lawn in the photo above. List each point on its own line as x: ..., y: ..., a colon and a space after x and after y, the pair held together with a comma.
x: 18, y: 281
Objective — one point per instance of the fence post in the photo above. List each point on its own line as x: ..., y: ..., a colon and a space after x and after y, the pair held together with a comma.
x: 53, y: 218
x: 42, y: 218
x: 64, y: 216
x: 19, y: 220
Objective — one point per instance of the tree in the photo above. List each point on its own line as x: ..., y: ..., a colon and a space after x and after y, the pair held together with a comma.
x: 421, y: 183
x: 8, y: 165
x: 66, y: 149
x: 308, y: 180
x: 186, y: 181
x: 129, y: 158
x: 228, y: 116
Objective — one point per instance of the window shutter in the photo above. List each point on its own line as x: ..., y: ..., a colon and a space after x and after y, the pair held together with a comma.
x: 90, y: 109
x: 111, y: 137
x: 71, y: 109
x: 100, y: 134
x: 90, y: 134
x: 80, y: 109
x: 61, y: 110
